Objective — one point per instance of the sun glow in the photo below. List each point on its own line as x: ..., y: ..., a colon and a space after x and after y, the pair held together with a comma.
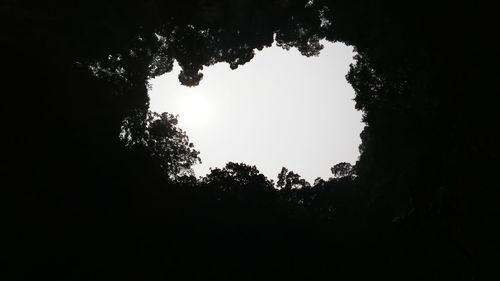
x: 195, y: 109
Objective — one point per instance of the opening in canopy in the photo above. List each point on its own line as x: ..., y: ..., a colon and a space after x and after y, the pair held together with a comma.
x: 280, y: 109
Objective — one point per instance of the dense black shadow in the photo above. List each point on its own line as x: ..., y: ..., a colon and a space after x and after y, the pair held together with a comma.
x: 97, y: 188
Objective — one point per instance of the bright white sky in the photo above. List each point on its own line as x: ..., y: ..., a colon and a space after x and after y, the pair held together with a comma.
x: 280, y: 109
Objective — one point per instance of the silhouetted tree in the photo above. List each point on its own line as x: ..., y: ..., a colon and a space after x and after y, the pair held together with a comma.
x: 342, y: 169
x: 288, y: 180
x: 237, y: 177
x: 166, y: 143
x: 292, y: 187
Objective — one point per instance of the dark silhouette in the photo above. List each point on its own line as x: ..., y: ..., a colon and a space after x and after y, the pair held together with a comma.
x: 343, y: 169
x: 168, y: 145
x: 421, y: 203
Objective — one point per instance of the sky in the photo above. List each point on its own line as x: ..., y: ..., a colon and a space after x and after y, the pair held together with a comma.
x: 281, y: 109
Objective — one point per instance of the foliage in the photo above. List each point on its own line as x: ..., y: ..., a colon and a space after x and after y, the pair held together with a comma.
x: 166, y: 143
x: 289, y: 180
x: 80, y: 206
x: 342, y: 170
x: 237, y: 177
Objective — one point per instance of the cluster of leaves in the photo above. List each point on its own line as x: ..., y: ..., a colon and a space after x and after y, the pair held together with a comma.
x: 236, y: 177
x: 165, y: 142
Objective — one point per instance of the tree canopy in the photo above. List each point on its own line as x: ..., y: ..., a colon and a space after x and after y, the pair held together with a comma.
x: 82, y: 205
x: 237, y: 177
x: 164, y: 140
